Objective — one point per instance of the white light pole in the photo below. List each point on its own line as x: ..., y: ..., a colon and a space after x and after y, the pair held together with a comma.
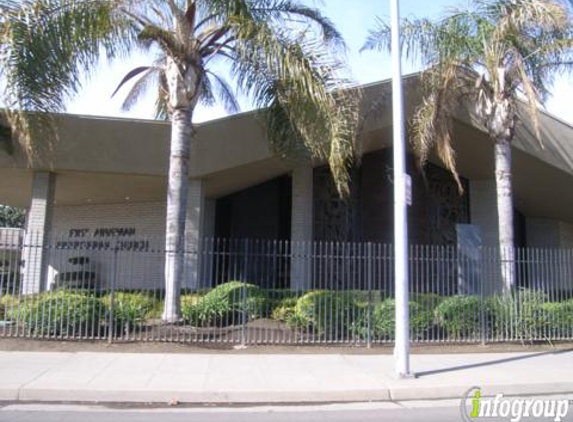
x: 402, y: 345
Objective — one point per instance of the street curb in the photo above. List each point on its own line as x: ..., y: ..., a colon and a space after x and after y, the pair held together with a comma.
x: 200, y: 397
x: 405, y: 393
x: 393, y: 394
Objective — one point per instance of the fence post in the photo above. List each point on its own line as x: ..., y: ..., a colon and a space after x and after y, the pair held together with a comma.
x: 111, y: 326
x: 245, y: 313
x: 369, y: 275
x: 483, y: 328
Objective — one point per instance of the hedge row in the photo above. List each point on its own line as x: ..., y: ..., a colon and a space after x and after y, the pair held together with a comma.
x: 526, y: 314
x: 79, y: 313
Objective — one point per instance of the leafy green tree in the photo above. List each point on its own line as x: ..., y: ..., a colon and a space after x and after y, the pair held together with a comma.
x: 282, y: 55
x: 497, y: 57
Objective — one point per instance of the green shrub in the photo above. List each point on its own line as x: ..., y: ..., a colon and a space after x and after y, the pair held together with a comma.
x: 60, y: 313
x: 519, y: 314
x: 284, y: 309
x: 288, y: 301
x: 283, y: 313
x: 208, y: 312
x: 308, y: 308
x: 428, y: 301
x: 188, y: 301
x: 327, y: 312
x: 7, y: 302
x: 226, y: 304
x: 235, y: 293
x: 280, y: 297
x: 559, y: 317
x: 532, y: 319
x: 130, y: 309
x: 459, y: 316
x: 383, y: 323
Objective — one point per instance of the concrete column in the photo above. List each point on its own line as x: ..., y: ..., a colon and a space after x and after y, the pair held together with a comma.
x: 548, y: 266
x: 194, y: 232
x: 302, y: 219
x: 38, y: 225
x: 208, y: 234
x: 483, y: 213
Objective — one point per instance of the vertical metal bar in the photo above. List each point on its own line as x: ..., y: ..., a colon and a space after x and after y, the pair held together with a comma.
x: 6, y: 270
x: 369, y: 280
x: 569, y: 280
x: 567, y: 287
x: 324, y: 308
x: 482, y: 301
x: 111, y: 323
x: 353, y: 268
x: 245, y: 313
x: 284, y: 260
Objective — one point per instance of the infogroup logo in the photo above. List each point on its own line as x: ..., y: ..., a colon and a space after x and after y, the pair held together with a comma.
x: 474, y: 407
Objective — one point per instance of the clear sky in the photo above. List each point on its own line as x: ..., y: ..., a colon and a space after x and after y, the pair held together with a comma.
x: 353, y: 19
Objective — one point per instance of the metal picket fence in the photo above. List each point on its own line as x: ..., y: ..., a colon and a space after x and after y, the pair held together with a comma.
x: 241, y: 291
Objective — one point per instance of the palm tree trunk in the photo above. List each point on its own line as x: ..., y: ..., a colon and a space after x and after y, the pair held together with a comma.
x: 504, y: 191
x: 181, y: 131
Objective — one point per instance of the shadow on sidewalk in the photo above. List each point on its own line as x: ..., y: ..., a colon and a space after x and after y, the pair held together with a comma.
x: 491, y: 363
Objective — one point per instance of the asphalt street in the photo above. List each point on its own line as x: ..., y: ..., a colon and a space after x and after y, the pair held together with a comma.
x: 397, y: 412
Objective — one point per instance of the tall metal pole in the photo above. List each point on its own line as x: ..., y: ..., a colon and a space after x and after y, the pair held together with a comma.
x: 402, y: 345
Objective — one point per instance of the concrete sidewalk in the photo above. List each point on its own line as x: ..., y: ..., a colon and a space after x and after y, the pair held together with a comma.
x: 259, y: 378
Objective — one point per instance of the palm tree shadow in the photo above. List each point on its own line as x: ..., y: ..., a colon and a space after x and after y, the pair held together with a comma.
x: 491, y: 363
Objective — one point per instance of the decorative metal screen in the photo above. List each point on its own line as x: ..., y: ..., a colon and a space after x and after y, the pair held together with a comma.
x: 447, y: 207
x: 335, y: 218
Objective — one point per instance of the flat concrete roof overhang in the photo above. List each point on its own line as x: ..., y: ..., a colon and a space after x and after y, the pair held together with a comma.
x: 102, y: 160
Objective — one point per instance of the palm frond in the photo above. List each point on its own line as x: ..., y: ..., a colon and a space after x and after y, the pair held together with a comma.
x: 310, y: 110
x: 165, y: 38
x: 129, y: 76
x: 489, y: 52
x: 284, y: 11
x: 48, y: 46
x: 224, y: 92
x: 140, y: 88
x: 207, y: 95
x: 418, y: 41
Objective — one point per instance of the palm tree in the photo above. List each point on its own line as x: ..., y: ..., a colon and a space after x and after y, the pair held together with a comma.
x: 280, y: 53
x: 497, y: 57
